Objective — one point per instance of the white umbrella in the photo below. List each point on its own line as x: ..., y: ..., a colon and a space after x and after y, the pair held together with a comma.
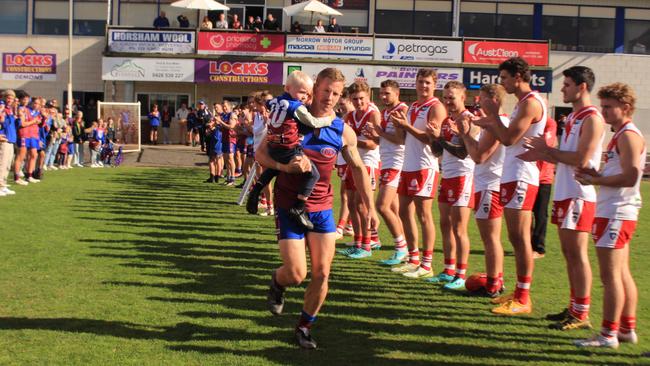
x: 200, y: 4
x: 311, y: 6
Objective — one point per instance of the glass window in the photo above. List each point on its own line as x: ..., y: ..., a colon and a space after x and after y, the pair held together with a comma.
x: 637, y: 36
x: 477, y: 25
x: 13, y: 17
x: 394, y: 22
x: 562, y: 31
x: 432, y: 23
x: 596, y: 35
x: 51, y: 17
x: 514, y: 26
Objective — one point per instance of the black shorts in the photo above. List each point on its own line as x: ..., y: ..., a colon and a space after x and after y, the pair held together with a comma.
x: 154, y: 128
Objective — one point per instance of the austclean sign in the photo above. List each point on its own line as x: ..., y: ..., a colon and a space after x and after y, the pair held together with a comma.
x: 417, y: 50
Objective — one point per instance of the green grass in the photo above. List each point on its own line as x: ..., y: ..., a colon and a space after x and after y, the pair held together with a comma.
x: 150, y: 266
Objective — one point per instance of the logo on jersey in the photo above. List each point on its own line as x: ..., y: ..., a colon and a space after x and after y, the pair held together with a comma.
x: 613, y: 234
x: 328, y: 152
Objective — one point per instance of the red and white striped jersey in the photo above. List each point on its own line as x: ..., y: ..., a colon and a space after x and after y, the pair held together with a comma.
x: 392, y: 155
x: 566, y: 186
x: 620, y: 203
x: 370, y: 157
x: 418, y: 155
x: 451, y: 165
x: 487, y: 175
x: 515, y: 169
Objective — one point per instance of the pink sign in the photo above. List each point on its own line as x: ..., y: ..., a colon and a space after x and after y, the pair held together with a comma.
x: 241, y: 43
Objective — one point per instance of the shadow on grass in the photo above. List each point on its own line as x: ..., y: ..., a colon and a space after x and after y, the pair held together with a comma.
x: 176, y: 230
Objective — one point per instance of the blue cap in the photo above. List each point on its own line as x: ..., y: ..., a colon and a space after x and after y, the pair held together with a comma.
x: 2, y: 102
x: 201, y: 101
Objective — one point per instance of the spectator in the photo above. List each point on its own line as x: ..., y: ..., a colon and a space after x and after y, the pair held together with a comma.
x: 161, y: 21
x: 166, y: 119
x: 183, y: 22
x: 250, y: 23
x: 221, y: 23
x: 296, y: 27
x: 236, y: 24
x: 203, y: 117
x: 318, y: 28
x: 258, y: 25
x: 154, y: 122
x: 78, y: 137
x: 207, y: 23
x: 181, y: 117
x: 271, y: 23
x: 333, y: 27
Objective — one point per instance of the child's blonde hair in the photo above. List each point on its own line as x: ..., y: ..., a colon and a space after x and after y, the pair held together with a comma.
x: 298, y: 77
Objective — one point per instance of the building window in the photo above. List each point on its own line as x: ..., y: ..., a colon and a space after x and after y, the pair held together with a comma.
x: 478, y: 19
x: 637, y: 31
x: 514, y: 26
x: 51, y: 17
x: 560, y: 25
x: 432, y: 23
x: 596, y: 35
x: 515, y: 20
x: 394, y: 22
x: 477, y: 25
x: 13, y: 17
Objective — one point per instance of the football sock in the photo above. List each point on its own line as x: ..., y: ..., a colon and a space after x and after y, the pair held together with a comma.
x: 427, y: 257
x: 522, y: 292
x: 306, y: 321
x: 461, y: 269
x: 450, y: 266
x: 414, y: 257
x: 580, y: 308
x: 365, y: 243
x: 609, y: 329
x: 400, y: 244
x: 628, y: 324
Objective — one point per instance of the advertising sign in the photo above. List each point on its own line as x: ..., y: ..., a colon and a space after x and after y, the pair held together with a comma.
x: 147, y: 69
x: 418, y: 50
x: 405, y: 76
x: 240, y: 72
x: 29, y: 65
x: 242, y: 44
x: 153, y: 41
x: 542, y: 80
x: 374, y: 75
x: 352, y: 73
x: 341, y: 4
x: 326, y: 46
x: 484, y: 52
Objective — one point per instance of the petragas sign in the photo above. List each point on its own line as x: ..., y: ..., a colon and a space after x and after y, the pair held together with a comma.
x: 418, y: 50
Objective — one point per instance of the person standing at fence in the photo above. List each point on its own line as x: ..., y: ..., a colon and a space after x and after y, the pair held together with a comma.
x: 10, y: 133
x: 166, y: 120
x: 154, y: 124
x: 181, y: 117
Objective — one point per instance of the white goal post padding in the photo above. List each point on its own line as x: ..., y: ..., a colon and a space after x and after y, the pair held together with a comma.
x: 126, y: 117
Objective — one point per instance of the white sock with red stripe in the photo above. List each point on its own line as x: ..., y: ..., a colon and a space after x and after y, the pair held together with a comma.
x: 340, y: 225
x: 374, y: 235
x: 461, y: 269
x: 609, y: 329
x: 414, y: 257
x: 357, y: 240
x: 365, y: 243
x: 400, y: 244
x: 450, y: 266
x: 580, y: 307
x: 427, y: 257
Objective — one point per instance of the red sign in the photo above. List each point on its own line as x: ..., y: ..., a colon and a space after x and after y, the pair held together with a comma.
x: 239, y: 43
x: 483, y: 52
